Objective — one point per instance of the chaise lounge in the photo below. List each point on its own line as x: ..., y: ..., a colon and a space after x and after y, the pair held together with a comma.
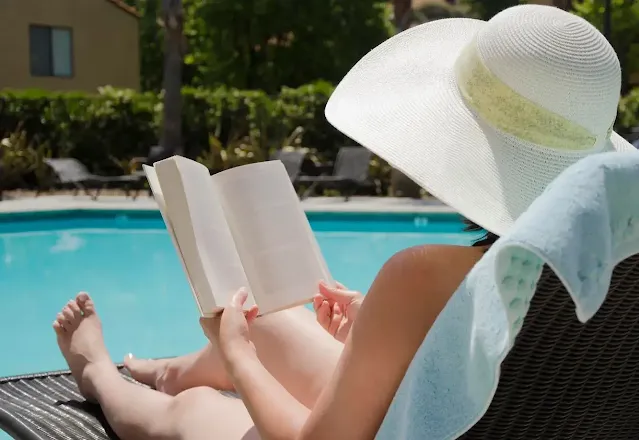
x: 351, y: 173
x: 72, y: 174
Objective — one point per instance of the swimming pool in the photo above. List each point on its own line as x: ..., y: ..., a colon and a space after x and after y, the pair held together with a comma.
x: 126, y: 260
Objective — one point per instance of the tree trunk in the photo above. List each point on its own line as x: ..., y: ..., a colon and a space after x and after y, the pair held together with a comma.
x: 402, y: 13
x: 171, y: 139
x: 566, y: 5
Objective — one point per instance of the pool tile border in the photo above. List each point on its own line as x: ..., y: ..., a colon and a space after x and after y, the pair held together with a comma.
x: 315, y: 205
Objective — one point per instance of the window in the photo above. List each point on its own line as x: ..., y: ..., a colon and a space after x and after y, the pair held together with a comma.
x: 51, y: 51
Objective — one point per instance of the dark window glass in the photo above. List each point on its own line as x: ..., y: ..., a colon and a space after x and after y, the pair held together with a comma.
x: 51, y: 51
x: 40, y: 47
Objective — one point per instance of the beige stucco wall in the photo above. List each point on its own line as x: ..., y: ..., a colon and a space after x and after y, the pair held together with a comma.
x: 105, y: 44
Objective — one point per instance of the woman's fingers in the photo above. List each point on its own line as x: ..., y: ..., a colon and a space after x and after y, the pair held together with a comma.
x: 336, y: 319
x: 252, y: 314
x: 338, y: 294
x: 324, y: 314
x: 317, y: 301
x: 239, y: 298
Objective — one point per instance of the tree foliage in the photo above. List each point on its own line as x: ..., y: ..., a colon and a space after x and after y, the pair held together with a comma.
x: 265, y: 44
x: 151, y: 43
x: 625, y: 30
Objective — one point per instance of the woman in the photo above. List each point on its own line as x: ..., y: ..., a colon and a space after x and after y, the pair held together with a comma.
x: 484, y: 115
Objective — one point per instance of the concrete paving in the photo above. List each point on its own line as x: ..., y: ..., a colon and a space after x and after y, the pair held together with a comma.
x: 312, y: 204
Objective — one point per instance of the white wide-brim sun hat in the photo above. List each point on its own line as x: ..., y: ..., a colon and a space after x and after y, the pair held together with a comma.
x: 484, y: 115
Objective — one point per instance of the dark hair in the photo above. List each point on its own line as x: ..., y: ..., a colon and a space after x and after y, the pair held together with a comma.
x: 486, y: 239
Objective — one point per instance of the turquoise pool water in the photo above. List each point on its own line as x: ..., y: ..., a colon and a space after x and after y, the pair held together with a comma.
x: 128, y: 264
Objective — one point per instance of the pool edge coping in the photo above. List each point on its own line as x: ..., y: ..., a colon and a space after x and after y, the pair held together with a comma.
x: 316, y: 205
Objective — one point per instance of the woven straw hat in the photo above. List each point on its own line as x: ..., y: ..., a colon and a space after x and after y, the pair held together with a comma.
x: 484, y: 115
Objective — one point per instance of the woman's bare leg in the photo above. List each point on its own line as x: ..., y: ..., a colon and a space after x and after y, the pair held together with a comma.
x: 135, y: 412
x: 295, y: 349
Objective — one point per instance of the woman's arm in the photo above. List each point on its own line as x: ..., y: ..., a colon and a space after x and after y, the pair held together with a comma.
x: 401, y: 306
x: 275, y: 412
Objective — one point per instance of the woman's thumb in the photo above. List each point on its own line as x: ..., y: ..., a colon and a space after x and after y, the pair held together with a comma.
x: 342, y: 296
x: 239, y: 298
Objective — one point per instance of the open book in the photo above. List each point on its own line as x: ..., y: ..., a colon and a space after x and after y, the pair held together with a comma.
x: 243, y: 227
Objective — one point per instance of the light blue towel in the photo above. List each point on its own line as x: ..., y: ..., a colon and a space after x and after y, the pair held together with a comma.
x: 585, y: 223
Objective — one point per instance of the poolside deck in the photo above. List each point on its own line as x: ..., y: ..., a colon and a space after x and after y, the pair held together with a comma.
x: 312, y: 204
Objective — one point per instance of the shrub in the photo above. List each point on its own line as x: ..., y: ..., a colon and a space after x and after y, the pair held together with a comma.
x: 628, y: 112
x: 22, y: 162
x: 105, y: 130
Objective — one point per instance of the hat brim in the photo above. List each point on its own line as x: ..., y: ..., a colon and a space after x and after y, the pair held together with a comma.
x: 401, y: 102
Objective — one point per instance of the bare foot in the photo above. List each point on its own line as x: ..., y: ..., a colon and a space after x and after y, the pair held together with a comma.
x: 157, y: 373
x: 172, y: 376
x: 80, y: 339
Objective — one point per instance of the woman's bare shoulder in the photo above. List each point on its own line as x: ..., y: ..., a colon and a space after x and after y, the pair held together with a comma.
x: 440, y: 265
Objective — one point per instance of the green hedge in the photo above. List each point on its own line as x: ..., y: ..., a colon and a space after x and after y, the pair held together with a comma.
x: 120, y: 124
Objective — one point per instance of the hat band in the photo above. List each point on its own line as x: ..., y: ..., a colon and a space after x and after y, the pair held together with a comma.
x: 506, y: 110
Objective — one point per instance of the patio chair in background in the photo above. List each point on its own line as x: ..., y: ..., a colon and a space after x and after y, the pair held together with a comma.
x: 561, y: 380
x: 292, y: 161
x: 72, y: 174
x: 351, y: 172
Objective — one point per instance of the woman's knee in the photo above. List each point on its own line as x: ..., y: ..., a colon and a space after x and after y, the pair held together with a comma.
x: 205, y: 413
x: 188, y: 401
x: 186, y: 410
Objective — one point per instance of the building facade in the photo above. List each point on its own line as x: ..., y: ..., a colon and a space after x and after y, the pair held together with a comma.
x: 68, y: 45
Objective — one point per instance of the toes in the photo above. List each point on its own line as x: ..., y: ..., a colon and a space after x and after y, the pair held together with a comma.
x: 85, y: 303
x: 58, y: 327
x: 61, y: 320
x: 71, y: 322
x: 129, y: 359
x: 75, y: 308
x: 134, y: 365
x: 72, y: 313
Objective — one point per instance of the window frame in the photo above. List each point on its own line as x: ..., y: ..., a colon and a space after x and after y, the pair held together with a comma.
x: 50, y: 29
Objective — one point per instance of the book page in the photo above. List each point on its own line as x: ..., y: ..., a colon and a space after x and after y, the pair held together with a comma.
x: 274, y: 239
x: 202, y: 231
x: 154, y: 184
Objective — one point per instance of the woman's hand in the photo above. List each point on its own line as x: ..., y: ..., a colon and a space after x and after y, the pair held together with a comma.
x: 230, y: 330
x: 336, y: 309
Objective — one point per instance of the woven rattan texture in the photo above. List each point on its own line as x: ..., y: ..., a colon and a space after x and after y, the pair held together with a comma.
x: 49, y: 406
x: 567, y: 380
